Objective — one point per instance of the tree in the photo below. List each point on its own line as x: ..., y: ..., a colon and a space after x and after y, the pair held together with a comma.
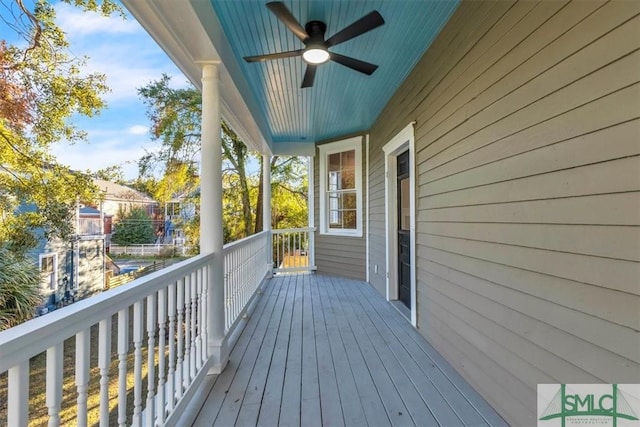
x: 19, y: 289
x: 175, y: 115
x: 41, y: 88
x: 134, y: 228
x: 111, y: 173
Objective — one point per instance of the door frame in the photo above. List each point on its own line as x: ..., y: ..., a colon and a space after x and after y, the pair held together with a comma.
x: 401, y: 142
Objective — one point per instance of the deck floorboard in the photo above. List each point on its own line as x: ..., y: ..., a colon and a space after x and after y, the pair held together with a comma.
x: 327, y: 351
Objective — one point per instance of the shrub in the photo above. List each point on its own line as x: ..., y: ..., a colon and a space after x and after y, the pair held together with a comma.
x: 19, y: 289
x: 134, y: 228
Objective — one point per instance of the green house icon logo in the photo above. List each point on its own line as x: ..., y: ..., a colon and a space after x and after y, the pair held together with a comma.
x: 580, y: 405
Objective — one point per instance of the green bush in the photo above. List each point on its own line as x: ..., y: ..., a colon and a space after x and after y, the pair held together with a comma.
x: 19, y: 289
x: 134, y: 228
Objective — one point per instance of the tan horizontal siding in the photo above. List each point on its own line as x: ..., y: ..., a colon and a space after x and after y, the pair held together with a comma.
x: 528, y: 193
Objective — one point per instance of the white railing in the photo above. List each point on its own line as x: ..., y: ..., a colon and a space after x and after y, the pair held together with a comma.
x: 293, y: 250
x: 164, y: 311
x: 245, y: 265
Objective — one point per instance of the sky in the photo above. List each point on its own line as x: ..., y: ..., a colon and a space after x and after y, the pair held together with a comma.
x: 126, y: 54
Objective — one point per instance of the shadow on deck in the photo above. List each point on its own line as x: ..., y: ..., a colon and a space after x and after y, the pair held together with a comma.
x: 320, y: 350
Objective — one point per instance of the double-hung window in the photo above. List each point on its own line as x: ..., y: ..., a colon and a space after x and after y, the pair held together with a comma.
x: 341, y: 187
x: 48, y: 266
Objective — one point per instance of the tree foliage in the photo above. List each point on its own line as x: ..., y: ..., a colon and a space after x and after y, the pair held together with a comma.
x: 41, y: 88
x: 134, y: 228
x: 19, y: 288
x: 175, y: 115
x: 111, y: 173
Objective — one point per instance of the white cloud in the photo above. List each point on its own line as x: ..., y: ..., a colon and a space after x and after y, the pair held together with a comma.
x: 108, y: 152
x: 75, y: 22
x: 138, y: 130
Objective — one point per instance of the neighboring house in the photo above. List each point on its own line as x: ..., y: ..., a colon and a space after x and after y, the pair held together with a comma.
x: 92, y: 221
x: 120, y: 198
x: 73, y: 269
x: 176, y: 212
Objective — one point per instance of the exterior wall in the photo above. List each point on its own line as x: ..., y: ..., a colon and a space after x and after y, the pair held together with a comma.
x: 340, y: 255
x: 528, y: 244
x: 91, y: 265
x: 90, y: 274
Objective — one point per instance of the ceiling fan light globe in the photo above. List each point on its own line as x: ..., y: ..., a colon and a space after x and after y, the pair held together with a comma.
x: 315, y: 55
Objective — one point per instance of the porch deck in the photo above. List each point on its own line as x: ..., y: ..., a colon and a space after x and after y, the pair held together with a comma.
x: 320, y: 350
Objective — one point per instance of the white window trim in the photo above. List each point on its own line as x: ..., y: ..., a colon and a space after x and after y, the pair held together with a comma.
x: 354, y: 143
x: 55, y: 267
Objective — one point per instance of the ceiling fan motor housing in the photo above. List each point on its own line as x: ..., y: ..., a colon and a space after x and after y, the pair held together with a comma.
x: 316, y: 30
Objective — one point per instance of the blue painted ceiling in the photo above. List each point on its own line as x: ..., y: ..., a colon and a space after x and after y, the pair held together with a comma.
x: 342, y: 101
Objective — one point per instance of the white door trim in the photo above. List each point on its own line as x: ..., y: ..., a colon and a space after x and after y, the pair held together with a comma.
x: 400, y: 143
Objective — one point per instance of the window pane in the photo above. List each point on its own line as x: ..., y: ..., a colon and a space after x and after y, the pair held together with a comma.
x: 333, y: 181
x: 334, y: 217
x: 349, y: 159
x: 334, y: 162
x: 349, y: 200
x: 405, y: 207
x: 349, y: 219
x: 348, y: 181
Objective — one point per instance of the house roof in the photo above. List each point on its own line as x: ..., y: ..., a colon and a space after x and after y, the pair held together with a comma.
x: 113, y: 191
x: 263, y: 101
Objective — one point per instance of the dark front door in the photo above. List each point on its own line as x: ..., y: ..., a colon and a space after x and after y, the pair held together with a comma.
x: 404, y: 235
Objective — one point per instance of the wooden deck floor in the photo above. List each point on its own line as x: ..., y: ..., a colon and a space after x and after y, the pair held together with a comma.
x: 325, y: 351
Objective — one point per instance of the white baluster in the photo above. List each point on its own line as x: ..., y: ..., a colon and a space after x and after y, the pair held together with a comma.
x: 82, y: 374
x: 171, y: 390
x: 104, y: 360
x: 137, y: 362
x: 226, y: 288
x: 18, y: 390
x: 181, y: 327
x: 54, y: 383
x: 203, y: 311
x: 186, y: 379
x: 199, y: 304
x: 162, y: 318
x: 123, y: 349
x: 151, y: 365
x: 194, y: 326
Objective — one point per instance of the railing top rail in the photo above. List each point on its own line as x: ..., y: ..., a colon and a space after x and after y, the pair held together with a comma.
x: 293, y: 230
x: 242, y: 242
x: 35, y: 336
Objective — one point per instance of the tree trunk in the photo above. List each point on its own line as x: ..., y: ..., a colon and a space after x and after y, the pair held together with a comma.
x: 259, y: 212
x: 246, y: 201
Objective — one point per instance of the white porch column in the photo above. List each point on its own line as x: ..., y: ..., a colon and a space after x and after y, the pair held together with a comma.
x: 266, y: 207
x: 211, y: 231
x: 311, y: 212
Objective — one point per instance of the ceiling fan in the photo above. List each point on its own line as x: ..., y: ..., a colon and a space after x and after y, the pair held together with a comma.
x: 316, y: 48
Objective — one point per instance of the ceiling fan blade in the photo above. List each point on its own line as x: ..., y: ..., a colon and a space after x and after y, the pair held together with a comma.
x: 361, y: 26
x: 270, y: 56
x: 309, y: 76
x: 283, y: 14
x: 354, y: 64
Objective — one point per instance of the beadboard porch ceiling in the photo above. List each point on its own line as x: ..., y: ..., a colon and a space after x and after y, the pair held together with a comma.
x: 263, y: 101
